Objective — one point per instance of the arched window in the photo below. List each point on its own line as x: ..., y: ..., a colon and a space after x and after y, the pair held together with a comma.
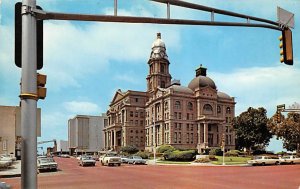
x: 177, y: 105
x: 219, y: 109
x: 207, y: 109
x: 190, y: 106
x: 228, y: 110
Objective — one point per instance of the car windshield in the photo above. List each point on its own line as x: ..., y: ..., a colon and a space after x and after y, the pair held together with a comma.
x: 111, y: 155
x: 137, y: 157
x: 87, y: 158
x: 258, y: 157
x: 46, y: 160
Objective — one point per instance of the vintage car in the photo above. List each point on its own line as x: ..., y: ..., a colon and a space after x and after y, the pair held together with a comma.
x: 44, y: 164
x: 136, y: 160
x: 86, y: 160
x: 291, y: 159
x: 110, y: 158
x: 264, y: 160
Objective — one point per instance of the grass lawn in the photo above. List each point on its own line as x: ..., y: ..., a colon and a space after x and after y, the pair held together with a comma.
x: 231, y: 160
x: 173, y: 162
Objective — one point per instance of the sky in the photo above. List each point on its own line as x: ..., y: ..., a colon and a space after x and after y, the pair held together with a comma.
x: 86, y: 62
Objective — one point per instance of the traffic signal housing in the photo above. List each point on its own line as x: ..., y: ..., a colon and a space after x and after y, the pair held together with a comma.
x: 41, y: 82
x: 286, y: 47
x: 278, y: 116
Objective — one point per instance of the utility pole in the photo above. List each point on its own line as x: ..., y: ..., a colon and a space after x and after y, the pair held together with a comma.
x: 29, y: 96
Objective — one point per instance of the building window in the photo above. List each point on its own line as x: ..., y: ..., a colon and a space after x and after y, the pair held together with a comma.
x: 141, y: 114
x: 179, y: 137
x: 131, y: 113
x: 179, y: 115
x: 175, y: 137
x: 228, y: 111
x: 166, y: 106
x: 209, y: 127
x: 190, y: 106
x: 207, y: 108
x: 175, y: 115
x: 162, y: 68
x: 131, y: 131
x: 136, y: 99
x: 175, y: 126
x: 136, y: 114
x: 187, y: 138
x: 192, y: 138
x: 179, y: 126
x: 218, y: 109
x: 187, y: 127
x: 141, y: 123
x: 177, y: 105
x: 192, y: 127
x: 187, y: 116
x: 162, y: 84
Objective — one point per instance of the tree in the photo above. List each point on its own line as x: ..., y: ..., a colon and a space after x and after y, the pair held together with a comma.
x: 251, y: 129
x: 129, y: 149
x: 288, y: 130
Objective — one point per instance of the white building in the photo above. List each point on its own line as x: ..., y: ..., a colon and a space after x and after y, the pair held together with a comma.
x: 85, y: 133
x: 62, y: 146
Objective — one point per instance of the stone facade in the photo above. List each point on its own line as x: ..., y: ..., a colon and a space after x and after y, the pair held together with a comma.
x: 198, y: 116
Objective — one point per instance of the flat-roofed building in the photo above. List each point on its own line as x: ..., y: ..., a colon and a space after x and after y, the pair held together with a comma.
x: 85, y: 133
x: 10, y: 129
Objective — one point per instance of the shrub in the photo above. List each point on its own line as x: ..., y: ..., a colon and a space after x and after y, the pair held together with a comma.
x: 129, y: 149
x: 281, y: 153
x: 212, y: 158
x: 177, y: 155
x: 202, y: 160
x: 164, y: 148
x: 144, y: 155
x: 216, y: 152
x: 232, y: 153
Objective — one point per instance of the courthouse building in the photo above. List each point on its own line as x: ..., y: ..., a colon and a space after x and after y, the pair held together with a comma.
x: 196, y: 116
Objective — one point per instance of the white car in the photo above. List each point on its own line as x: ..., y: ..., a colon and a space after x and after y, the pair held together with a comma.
x: 86, y: 160
x: 289, y: 159
x: 264, y: 160
x: 110, y: 159
x: 46, y: 164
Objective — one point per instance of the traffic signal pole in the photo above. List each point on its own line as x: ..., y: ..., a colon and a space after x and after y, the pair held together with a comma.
x: 28, y: 97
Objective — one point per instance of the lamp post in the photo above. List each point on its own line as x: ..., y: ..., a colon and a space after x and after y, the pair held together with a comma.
x: 154, y: 138
x: 223, y: 148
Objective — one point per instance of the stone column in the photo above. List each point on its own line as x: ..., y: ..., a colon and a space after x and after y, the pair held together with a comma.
x: 205, y: 134
x: 199, y: 133
x: 115, y: 138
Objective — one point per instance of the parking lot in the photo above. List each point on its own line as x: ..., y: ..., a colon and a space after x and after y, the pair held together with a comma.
x: 71, y: 175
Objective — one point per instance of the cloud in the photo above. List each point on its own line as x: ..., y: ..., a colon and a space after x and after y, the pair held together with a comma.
x: 261, y: 86
x: 86, y: 108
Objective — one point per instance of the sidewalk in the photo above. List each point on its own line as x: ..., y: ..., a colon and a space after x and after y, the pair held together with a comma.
x: 13, y: 171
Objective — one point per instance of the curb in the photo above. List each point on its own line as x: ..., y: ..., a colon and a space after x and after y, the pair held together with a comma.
x: 10, y: 175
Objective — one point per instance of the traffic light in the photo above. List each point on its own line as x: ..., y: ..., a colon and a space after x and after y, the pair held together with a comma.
x: 18, y: 38
x: 278, y: 116
x: 41, y: 82
x: 286, y: 47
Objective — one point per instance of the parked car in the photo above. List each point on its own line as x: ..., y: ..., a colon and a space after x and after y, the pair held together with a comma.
x: 86, y: 160
x: 65, y: 156
x: 136, y: 160
x: 44, y: 164
x: 111, y: 158
x: 124, y: 159
x: 6, y: 160
x: 264, y: 160
x: 4, y: 164
x: 9, y: 156
x: 291, y: 159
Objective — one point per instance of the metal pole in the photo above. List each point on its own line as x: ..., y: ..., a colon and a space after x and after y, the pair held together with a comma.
x: 223, y: 155
x: 116, y: 8
x: 154, y: 137
x: 29, y: 99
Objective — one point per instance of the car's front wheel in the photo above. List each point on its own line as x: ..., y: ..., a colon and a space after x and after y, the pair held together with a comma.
x: 276, y: 163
